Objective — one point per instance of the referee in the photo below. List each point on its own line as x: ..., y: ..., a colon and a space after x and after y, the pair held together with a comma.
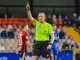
x: 42, y: 45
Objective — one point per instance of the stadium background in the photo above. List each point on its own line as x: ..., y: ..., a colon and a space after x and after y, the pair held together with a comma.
x: 13, y: 14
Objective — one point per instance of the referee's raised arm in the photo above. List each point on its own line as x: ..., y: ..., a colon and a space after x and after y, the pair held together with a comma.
x: 29, y: 12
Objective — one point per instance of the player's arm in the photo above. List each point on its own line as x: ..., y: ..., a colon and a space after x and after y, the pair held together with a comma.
x: 17, y: 43
x: 29, y: 12
x: 28, y: 44
x: 60, y: 44
x: 27, y: 41
x: 17, y: 47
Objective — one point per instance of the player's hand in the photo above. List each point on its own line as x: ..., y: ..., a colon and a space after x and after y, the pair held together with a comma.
x: 49, y: 47
x: 28, y: 6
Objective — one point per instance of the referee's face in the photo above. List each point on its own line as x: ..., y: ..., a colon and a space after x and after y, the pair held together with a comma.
x: 42, y: 17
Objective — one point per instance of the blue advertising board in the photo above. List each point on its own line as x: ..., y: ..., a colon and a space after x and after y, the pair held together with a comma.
x: 12, y: 56
x: 9, y: 56
x: 63, y: 55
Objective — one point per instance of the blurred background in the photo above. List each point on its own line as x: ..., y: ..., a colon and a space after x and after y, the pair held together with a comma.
x: 64, y: 13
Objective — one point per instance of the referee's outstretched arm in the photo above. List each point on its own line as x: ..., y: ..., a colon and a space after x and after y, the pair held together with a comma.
x: 29, y: 12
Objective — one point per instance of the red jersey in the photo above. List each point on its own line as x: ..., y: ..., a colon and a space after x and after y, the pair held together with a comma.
x: 22, y: 38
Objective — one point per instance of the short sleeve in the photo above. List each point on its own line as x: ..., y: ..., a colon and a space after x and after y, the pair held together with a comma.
x: 50, y: 30
x: 34, y: 22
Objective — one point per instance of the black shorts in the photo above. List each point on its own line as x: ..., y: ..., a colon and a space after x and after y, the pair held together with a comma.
x: 40, y: 48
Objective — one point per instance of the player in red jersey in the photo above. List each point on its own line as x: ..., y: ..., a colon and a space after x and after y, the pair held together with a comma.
x: 22, y: 42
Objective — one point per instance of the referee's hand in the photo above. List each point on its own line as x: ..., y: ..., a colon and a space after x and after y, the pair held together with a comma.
x: 49, y: 47
x: 27, y: 6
